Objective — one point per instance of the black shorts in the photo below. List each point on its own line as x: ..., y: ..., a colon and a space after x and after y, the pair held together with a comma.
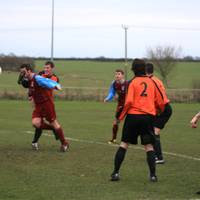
x: 162, y: 119
x: 136, y: 125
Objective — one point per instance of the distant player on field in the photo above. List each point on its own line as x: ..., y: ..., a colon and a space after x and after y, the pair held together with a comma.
x: 39, y: 88
x: 162, y: 118
x: 142, y: 102
x: 118, y: 87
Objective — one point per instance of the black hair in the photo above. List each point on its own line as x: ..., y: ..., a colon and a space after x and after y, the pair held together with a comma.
x: 22, y: 79
x: 50, y: 63
x: 149, y: 68
x: 27, y: 67
x: 139, y: 67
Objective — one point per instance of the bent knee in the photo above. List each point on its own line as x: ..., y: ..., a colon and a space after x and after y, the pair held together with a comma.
x: 124, y: 145
x: 36, y: 122
x: 55, y: 124
x: 148, y: 147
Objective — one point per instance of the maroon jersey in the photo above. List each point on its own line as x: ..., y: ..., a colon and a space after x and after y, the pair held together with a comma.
x: 52, y: 77
x: 38, y: 93
x: 121, y: 90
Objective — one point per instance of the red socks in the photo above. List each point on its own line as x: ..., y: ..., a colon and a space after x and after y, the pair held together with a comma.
x: 114, y: 131
x: 61, y: 136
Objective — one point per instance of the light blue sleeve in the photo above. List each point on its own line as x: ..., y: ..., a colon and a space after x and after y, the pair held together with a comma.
x: 111, y: 92
x: 46, y: 83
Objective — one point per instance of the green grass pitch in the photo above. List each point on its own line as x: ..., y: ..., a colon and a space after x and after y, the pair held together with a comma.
x: 100, y: 74
x: 84, y: 171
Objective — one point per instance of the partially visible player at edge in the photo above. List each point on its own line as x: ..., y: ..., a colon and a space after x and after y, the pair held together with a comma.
x: 162, y: 118
x: 46, y: 73
x: 44, y: 106
x: 119, y: 86
x: 143, y: 99
x: 194, y: 123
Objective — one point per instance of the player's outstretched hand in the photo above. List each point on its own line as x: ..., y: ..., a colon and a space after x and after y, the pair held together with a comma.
x: 193, y: 122
x: 58, y: 87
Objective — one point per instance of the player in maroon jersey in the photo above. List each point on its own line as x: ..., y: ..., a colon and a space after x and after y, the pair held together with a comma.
x: 46, y: 73
x: 118, y: 87
x: 44, y: 106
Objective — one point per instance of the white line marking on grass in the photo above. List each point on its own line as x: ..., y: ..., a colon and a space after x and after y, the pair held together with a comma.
x: 134, y: 147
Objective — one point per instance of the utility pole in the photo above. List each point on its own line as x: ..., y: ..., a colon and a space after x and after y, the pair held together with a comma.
x: 125, y: 27
x: 52, y: 31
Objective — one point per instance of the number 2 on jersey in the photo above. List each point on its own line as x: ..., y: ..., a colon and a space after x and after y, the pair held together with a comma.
x: 144, y: 92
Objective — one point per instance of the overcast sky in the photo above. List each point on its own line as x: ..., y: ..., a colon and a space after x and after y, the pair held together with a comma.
x: 90, y: 28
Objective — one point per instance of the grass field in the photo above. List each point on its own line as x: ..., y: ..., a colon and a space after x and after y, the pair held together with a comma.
x: 100, y: 74
x: 83, y: 172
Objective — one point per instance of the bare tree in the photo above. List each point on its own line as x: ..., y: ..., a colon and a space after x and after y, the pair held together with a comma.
x: 165, y: 60
x: 12, y: 62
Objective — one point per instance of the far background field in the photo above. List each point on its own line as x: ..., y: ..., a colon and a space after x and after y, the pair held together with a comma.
x: 100, y: 74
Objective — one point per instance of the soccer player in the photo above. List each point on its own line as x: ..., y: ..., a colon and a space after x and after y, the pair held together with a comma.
x: 194, y: 123
x: 162, y: 118
x: 47, y: 73
x: 44, y: 106
x: 194, y: 120
x: 142, y: 102
x: 119, y: 86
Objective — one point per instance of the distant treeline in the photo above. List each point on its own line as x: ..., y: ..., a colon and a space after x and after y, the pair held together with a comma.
x: 106, y: 59
x: 12, y: 62
x: 101, y: 59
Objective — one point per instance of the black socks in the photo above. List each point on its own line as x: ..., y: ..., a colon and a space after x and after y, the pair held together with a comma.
x: 119, y: 157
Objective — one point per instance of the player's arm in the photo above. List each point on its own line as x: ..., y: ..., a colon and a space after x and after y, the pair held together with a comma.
x: 159, y: 98
x: 159, y: 102
x: 47, y: 83
x: 195, y: 120
x: 128, y: 101
x: 23, y: 81
x: 55, y: 78
x: 111, y: 93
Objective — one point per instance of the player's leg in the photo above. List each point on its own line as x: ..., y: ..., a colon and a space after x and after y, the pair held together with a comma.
x: 59, y: 131
x: 47, y: 126
x: 36, y: 122
x: 158, y: 147
x: 49, y: 114
x: 119, y: 157
x: 37, y: 135
x: 127, y: 137
x: 159, y: 123
x: 148, y: 139
x: 115, y: 126
x: 151, y: 161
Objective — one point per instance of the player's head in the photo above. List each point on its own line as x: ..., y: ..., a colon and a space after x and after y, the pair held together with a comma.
x: 149, y: 68
x: 139, y: 67
x: 119, y: 74
x: 48, y: 67
x: 26, y: 70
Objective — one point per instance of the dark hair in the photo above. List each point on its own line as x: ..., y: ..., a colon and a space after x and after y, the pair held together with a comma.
x: 50, y: 63
x: 139, y: 67
x: 27, y: 67
x: 120, y: 70
x: 149, y: 68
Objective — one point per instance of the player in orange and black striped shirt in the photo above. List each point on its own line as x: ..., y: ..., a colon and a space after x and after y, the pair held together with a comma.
x: 162, y: 118
x: 142, y: 102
